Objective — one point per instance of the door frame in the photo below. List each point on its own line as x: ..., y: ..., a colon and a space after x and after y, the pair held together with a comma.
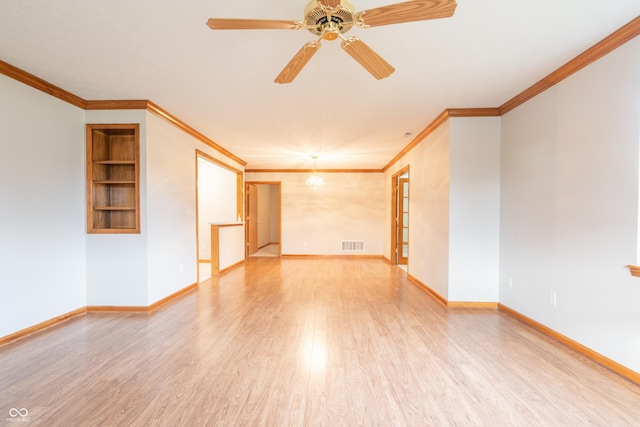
x: 401, y: 259
x: 249, y: 220
x: 239, y: 198
x: 246, y: 213
x: 394, y: 247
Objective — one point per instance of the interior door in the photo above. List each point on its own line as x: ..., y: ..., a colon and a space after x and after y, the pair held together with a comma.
x: 252, y: 218
x: 403, y: 221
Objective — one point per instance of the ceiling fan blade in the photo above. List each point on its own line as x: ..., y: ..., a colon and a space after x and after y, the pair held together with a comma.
x: 250, y: 24
x: 298, y: 62
x: 330, y: 3
x: 409, y: 11
x: 378, y: 67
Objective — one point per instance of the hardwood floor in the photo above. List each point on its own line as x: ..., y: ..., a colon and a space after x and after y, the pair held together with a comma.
x: 271, y: 250
x: 307, y: 342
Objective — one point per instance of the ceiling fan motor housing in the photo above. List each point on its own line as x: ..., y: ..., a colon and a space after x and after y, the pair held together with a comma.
x: 329, y: 22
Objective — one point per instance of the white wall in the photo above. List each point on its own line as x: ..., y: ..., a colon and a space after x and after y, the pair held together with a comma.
x: 268, y: 214
x: 231, y: 246
x: 171, y: 157
x: 474, y: 217
x: 454, y: 209
x: 140, y: 269
x: 42, y: 207
x: 569, y: 174
x: 429, y: 189
x: 171, y: 216
x: 350, y: 206
x: 569, y: 213
x: 264, y: 214
x: 49, y: 266
x: 117, y: 263
x: 216, y: 200
x: 275, y: 213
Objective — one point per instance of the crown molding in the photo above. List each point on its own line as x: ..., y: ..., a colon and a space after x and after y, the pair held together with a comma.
x: 42, y: 85
x: 48, y: 88
x: 605, y: 46
x: 117, y: 105
x: 435, y: 124
x: 313, y: 170
x: 163, y: 114
x: 473, y: 112
x: 217, y: 161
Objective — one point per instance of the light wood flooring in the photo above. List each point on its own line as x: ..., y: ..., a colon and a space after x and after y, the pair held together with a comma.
x: 270, y: 250
x: 291, y: 342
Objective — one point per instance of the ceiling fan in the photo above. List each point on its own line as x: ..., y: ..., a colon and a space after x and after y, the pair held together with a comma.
x: 330, y: 19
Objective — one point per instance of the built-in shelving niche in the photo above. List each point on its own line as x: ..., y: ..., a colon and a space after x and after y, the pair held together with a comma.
x: 113, y: 178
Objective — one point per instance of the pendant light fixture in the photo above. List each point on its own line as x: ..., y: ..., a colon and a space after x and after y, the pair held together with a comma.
x: 315, y: 180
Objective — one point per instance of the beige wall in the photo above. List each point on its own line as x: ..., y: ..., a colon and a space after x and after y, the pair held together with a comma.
x: 42, y: 218
x: 569, y: 216
x: 429, y: 183
x: 216, y: 201
x: 569, y: 183
x: 350, y: 206
x: 268, y: 214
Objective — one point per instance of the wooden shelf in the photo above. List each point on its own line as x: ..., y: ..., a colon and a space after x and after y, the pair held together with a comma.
x: 114, y: 162
x: 113, y: 182
x: 113, y: 208
x: 113, y: 177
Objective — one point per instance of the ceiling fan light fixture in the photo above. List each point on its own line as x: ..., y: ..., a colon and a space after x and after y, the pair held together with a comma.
x: 320, y: 19
x: 330, y: 19
x: 314, y: 180
x: 331, y: 30
x: 330, y: 35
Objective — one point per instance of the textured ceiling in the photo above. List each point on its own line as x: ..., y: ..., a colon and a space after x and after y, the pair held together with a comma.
x: 221, y: 82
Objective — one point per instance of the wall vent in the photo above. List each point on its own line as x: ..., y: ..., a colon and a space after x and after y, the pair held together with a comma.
x: 353, y: 245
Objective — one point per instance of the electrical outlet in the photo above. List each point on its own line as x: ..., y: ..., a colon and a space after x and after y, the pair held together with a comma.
x: 181, y: 268
x: 510, y: 282
x: 553, y: 298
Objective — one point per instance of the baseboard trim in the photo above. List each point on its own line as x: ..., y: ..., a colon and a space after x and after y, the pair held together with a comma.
x: 459, y: 305
x: 442, y: 300
x: 42, y: 326
x: 142, y: 308
x: 231, y: 267
x: 267, y: 244
x: 94, y: 309
x: 590, y: 354
x: 117, y: 308
x: 472, y: 305
x: 156, y: 305
x: 336, y: 256
x: 585, y: 351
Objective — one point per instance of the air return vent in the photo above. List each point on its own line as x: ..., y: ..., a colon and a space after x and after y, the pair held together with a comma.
x: 353, y: 245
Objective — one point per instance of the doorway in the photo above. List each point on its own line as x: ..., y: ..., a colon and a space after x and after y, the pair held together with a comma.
x: 218, y: 199
x: 400, y: 218
x: 263, y: 219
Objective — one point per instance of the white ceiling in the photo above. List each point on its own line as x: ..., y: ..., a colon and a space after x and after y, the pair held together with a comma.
x: 221, y: 82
